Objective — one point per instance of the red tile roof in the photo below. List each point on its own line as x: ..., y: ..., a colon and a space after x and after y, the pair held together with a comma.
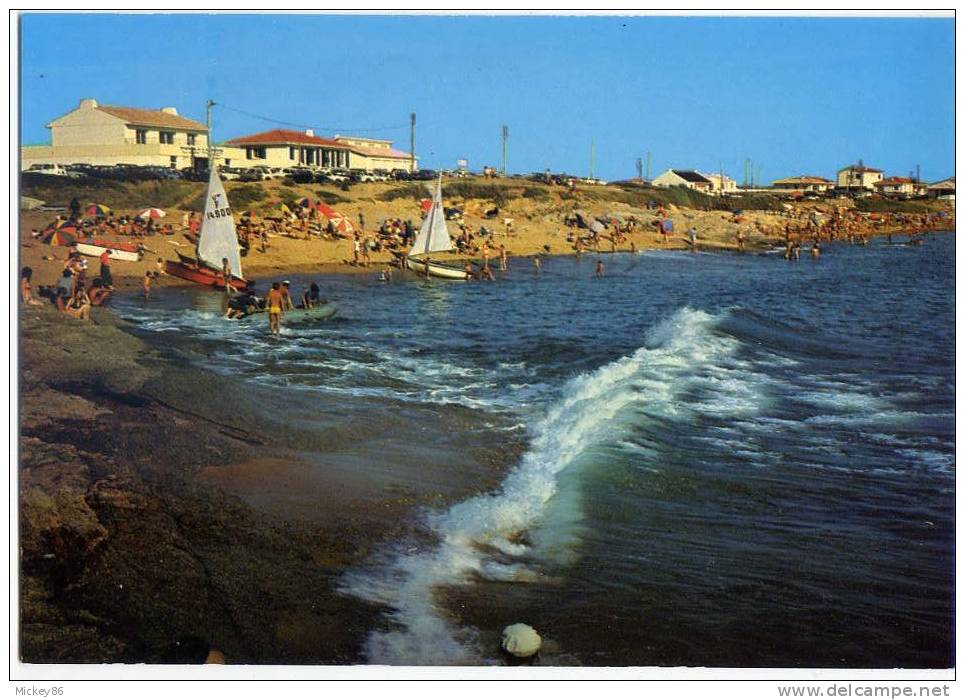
x: 284, y: 137
x: 896, y: 181
x: 860, y: 169
x: 378, y: 152
x: 804, y: 178
x: 152, y: 117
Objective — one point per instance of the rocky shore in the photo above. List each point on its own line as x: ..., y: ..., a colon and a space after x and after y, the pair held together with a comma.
x: 126, y: 554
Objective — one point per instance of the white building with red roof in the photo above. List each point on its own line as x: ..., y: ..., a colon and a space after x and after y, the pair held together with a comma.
x: 377, y: 154
x: 285, y: 148
x: 859, y: 177
x: 894, y: 186
x: 803, y: 183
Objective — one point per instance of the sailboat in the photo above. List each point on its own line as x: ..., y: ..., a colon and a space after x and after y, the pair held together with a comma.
x: 433, y: 237
x: 216, y: 242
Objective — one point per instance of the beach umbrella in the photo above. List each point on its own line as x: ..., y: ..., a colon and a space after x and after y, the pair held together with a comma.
x: 97, y: 210
x: 341, y: 222
x: 151, y: 213
x: 61, y: 236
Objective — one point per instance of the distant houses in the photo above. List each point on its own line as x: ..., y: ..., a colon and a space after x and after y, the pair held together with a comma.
x: 713, y: 183
x: 803, y: 183
x: 859, y: 177
x: 96, y: 134
x: 943, y: 189
x: 898, y: 187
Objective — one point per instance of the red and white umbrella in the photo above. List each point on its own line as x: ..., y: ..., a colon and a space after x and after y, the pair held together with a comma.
x: 152, y: 213
x: 341, y: 222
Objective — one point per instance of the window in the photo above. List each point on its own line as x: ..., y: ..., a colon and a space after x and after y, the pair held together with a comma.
x: 291, y: 153
x: 140, y: 136
x: 174, y: 161
x: 192, y: 139
x: 167, y: 137
x: 255, y: 152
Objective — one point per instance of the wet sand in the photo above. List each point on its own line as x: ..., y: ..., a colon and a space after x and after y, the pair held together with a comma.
x: 153, y: 522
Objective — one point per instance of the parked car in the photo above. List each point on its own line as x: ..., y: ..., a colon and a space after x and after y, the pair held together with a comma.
x: 424, y: 175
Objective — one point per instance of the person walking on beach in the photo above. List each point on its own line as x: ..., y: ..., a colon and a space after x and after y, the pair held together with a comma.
x: 286, y: 290
x: 692, y: 233
x: 600, y: 271
x: 275, y: 304
x: 356, y: 248
x: 106, y: 279
x: 740, y: 240
x: 361, y: 222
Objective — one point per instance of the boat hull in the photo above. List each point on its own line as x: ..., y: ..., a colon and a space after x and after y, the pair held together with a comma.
x: 96, y: 249
x: 436, y: 269
x: 319, y: 313
x: 204, y: 276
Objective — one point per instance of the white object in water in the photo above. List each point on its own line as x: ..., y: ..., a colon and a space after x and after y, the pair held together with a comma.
x: 521, y: 640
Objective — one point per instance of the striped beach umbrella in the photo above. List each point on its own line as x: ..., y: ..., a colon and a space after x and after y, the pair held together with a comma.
x: 65, y: 235
x: 151, y: 213
x: 94, y: 209
x: 341, y: 222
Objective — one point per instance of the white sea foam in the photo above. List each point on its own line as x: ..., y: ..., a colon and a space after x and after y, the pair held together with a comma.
x: 480, y: 537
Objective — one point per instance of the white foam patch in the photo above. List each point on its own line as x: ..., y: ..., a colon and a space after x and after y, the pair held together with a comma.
x: 484, y: 536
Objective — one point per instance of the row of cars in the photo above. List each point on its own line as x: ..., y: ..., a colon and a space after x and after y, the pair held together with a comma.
x: 134, y: 173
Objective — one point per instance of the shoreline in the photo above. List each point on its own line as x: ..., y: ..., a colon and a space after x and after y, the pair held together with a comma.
x: 138, y: 543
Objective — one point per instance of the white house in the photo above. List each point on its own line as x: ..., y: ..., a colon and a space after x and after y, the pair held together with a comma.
x: 683, y: 178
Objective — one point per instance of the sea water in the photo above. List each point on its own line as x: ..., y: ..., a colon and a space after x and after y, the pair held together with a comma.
x: 719, y: 460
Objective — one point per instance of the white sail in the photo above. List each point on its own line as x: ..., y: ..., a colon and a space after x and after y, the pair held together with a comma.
x: 433, y: 235
x: 218, y: 239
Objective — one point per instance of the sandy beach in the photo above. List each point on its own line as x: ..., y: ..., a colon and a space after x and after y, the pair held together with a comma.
x: 537, y: 214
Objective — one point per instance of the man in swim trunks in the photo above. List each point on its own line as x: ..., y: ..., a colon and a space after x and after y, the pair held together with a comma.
x: 286, y: 290
x: 275, y: 303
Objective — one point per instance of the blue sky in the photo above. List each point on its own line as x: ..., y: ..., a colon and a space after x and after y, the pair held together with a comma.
x: 795, y: 95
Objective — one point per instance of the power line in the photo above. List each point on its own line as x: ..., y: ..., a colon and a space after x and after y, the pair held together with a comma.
x: 307, y: 126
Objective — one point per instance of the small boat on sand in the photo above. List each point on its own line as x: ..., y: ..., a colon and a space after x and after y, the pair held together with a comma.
x: 128, y: 252
x: 433, y: 237
x: 216, y: 242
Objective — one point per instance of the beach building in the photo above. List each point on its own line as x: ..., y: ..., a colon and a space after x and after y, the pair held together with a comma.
x: 720, y: 182
x: 859, y: 176
x: 285, y: 148
x: 683, y: 178
x: 944, y: 189
x: 897, y: 186
x: 803, y: 183
x: 377, y: 154
x: 96, y: 134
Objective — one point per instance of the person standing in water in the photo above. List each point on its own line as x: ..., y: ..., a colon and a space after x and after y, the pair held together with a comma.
x: 536, y: 264
x: 146, y: 284
x: 225, y: 272
x: 600, y: 271
x: 503, y: 260
x: 693, y: 239
x: 275, y: 304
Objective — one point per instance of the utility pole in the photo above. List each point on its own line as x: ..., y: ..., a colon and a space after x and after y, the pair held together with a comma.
x: 640, y: 169
x: 210, y: 161
x: 412, y: 142
x: 505, y: 139
x: 592, y: 156
x: 648, y: 165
